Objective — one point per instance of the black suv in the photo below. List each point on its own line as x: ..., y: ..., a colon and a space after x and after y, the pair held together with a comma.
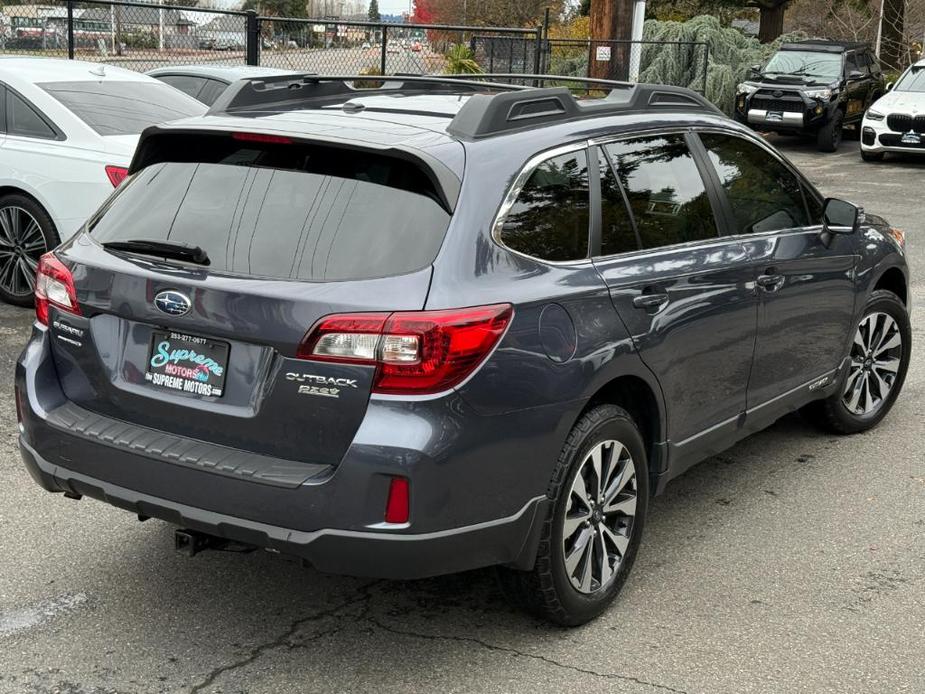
x: 439, y: 325
x: 812, y: 87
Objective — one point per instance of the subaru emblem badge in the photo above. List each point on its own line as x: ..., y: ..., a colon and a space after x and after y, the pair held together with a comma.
x: 172, y: 303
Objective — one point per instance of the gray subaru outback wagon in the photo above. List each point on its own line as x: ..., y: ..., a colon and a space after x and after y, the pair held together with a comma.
x: 437, y: 324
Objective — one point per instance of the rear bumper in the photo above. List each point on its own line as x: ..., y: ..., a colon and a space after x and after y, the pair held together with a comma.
x: 512, y: 540
x: 476, y: 489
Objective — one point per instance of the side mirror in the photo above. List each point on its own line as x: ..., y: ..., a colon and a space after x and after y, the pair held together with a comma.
x: 840, y: 217
x: 755, y: 70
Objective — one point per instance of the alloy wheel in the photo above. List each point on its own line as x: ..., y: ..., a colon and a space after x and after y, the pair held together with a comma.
x: 22, y: 243
x: 876, y: 354
x: 599, y: 515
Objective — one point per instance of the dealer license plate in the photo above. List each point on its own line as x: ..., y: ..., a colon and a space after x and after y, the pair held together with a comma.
x: 187, y: 364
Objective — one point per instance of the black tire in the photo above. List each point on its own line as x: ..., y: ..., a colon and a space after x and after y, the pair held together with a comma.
x: 871, y: 156
x: 829, y: 136
x: 547, y: 590
x: 19, y: 254
x: 833, y: 413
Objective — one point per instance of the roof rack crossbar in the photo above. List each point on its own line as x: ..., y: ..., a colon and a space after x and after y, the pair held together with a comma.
x: 484, y: 116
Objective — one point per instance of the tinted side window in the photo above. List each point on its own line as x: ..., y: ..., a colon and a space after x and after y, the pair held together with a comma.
x: 211, y: 90
x: 550, y: 218
x: 763, y: 193
x: 814, y: 206
x: 852, y: 63
x: 617, y: 232
x: 667, y: 196
x: 22, y: 119
x: 185, y: 83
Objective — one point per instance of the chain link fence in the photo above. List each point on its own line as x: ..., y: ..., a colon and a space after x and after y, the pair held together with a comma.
x: 141, y: 36
x: 138, y: 36
x: 347, y: 47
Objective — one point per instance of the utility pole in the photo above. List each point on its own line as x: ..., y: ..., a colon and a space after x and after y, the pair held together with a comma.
x: 611, y: 21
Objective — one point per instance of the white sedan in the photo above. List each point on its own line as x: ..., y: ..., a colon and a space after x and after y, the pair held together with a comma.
x: 68, y: 130
x: 896, y: 121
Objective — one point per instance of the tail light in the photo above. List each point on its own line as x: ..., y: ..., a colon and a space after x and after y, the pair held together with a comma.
x: 116, y: 174
x: 54, y: 286
x: 415, y: 352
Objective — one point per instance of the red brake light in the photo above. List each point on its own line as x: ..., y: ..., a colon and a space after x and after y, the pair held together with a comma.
x: 54, y: 285
x: 116, y: 174
x: 262, y: 137
x: 398, y: 507
x: 416, y: 352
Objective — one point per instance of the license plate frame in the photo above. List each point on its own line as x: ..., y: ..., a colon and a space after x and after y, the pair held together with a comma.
x: 187, y: 364
x: 911, y: 139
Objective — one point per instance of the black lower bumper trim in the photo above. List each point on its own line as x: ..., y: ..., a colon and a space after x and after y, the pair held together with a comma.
x: 511, y: 541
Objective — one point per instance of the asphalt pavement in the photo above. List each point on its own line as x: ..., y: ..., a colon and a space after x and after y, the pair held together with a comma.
x: 794, y: 562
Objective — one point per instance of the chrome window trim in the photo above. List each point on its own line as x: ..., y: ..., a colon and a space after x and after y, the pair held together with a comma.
x: 517, y: 187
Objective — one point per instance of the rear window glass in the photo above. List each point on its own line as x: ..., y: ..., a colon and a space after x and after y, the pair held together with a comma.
x: 336, y: 216
x: 123, y: 108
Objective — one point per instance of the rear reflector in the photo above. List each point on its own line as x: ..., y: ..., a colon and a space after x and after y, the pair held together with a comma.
x: 19, y: 408
x: 116, y: 174
x: 397, y: 508
x: 415, y: 352
x: 54, y: 286
x: 262, y: 137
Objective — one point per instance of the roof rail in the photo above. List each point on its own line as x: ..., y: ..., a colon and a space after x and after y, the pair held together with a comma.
x: 312, y: 90
x: 510, y: 107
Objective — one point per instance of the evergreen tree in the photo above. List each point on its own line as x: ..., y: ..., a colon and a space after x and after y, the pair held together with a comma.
x: 374, y: 15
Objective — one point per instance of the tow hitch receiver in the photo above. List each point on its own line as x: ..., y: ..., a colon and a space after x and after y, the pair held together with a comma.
x: 192, y: 542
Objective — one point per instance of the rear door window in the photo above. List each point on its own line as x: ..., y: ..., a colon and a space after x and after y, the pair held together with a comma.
x: 329, y: 215
x: 618, y: 233
x: 551, y: 216
x: 666, y: 192
x: 123, y: 107
x: 763, y: 193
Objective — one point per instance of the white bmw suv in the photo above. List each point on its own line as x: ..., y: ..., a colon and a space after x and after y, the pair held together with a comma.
x: 896, y: 121
x: 68, y: 130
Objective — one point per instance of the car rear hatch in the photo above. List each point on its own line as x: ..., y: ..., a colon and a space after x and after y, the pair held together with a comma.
x: 293, y: 231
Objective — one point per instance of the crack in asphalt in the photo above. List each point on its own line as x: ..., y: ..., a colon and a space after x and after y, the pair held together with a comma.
x: 284, y: 638
x: 522, y: 654
x: 364, y: 597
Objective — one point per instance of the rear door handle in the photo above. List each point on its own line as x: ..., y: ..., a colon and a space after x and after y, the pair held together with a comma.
x: 650, y: 302
x: 770, y: 281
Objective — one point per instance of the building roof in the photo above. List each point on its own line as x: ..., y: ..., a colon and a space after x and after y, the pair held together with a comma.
x: 148, y: 16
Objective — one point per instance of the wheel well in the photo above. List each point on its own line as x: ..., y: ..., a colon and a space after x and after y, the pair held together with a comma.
x: 13, y: 190
x: 636, y: 397
x: 893, y: 280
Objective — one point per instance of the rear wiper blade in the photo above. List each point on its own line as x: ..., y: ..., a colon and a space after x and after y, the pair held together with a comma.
x: 161, y: 249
